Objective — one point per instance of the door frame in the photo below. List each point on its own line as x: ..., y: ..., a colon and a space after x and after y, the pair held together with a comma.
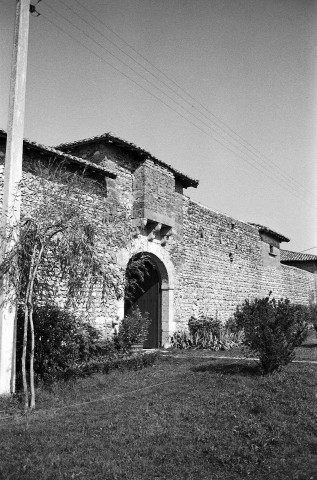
x: 147, y: 296
x: 165, y: 267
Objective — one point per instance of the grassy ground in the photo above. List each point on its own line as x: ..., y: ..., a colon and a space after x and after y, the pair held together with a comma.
x: 308, y: 351
x: 184, y: 418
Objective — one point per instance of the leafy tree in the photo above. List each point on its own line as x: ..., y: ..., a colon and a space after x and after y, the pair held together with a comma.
x: 59, y: 252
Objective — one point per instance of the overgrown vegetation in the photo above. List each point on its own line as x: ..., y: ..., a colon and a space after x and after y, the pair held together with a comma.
x: 133, y: 329
x: 206, y: 332
x: 69, y: 347
x: 61, y: 340
x: 312, y: 315
x: 272, y: 330
x: 58, y: 254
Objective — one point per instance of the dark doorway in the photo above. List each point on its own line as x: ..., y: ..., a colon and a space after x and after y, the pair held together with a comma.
x: 146, y: 294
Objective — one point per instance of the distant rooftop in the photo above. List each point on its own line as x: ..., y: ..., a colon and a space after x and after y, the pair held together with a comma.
x: 263, y: 229
x: 288, y: 256
x: 70, y: 158
x: 143, y: 154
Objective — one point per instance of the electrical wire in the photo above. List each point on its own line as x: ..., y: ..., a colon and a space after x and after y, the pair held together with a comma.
x: 241, y: 140
x: 307, y: 249
x: 262, y: 168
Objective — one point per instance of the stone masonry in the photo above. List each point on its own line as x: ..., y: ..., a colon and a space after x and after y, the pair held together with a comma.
x: 208, y: 262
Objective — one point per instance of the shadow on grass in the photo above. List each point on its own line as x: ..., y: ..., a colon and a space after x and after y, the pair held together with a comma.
x: 246, y: 370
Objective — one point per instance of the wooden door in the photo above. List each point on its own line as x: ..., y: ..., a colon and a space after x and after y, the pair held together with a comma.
x: 146, y: 296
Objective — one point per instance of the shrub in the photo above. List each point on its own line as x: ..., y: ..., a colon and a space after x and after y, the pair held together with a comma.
x: 231, y: 333
x: 312, y: 315
x: 61, y: 339
x: 205, y: 333
x: 204, y: 330
x: 272, y: 329
x: 133, y: 329
x: 181, y: 339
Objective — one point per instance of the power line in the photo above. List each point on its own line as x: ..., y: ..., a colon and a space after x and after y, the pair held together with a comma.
x: 241, y: 140
x: 307, y: 249
x: 291, y: 182
x: 158, y: 98
x: 261, y: 169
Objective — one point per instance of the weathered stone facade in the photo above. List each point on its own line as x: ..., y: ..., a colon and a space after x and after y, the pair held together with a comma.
x: 208, y: 262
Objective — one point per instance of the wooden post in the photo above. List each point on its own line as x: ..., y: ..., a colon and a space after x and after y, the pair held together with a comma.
x: 11, y: 193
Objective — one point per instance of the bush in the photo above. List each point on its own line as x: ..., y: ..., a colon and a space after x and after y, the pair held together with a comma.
x: 67, y: 347
x: 133, y: 329
x: 61, y: 339
x: 181, y: 339
x: 272, y: 329
x: 205, y: 333
x: 312, y: 315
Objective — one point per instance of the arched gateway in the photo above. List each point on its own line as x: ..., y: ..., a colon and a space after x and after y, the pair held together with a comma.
x: 152, y: 293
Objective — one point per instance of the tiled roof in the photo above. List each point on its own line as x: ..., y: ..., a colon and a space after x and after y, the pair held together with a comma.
x: 263, y: 229
x: 185, y: 180
x: 287, y: 256
x: 70, y: 158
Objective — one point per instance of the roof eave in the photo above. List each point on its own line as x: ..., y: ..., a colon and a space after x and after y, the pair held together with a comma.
x: 71, y: 159
x: 143, y: 154
x: 263, y: 229
x: 288, y: 256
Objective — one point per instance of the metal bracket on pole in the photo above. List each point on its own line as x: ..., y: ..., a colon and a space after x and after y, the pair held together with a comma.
x: 33, y: 9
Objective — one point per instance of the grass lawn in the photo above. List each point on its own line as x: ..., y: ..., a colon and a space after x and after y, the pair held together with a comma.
x: 185, y: 418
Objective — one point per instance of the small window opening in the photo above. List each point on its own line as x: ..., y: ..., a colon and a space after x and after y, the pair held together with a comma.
x: 272, y: 251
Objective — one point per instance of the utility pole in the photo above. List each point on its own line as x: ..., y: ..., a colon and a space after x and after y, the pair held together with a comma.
x: 11, y: 192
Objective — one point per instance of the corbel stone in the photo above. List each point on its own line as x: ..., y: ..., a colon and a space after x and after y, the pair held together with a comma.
x: 166, y: 233
x: 153, y: 228
x: 164, y: 240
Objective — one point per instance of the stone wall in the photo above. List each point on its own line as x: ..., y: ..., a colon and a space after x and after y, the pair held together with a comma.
x: 308, y: 265
x: 214, y: 261
x: 153, y: 189
x: 290, y: 282
x: 217, y: 263
x: 108, y: 202
x: 220, y: 262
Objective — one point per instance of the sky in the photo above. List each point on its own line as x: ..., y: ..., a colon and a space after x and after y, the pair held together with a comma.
x: 222, y: 90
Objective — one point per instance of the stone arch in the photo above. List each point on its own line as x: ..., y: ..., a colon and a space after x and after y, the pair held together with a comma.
x: 165, y: 268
